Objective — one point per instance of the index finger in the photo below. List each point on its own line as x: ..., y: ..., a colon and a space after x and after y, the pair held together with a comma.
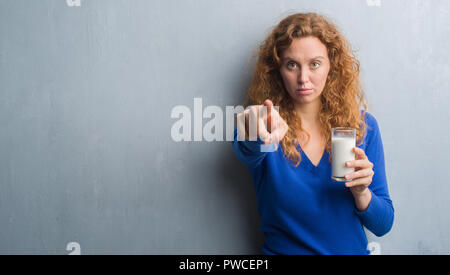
x: 268, y: 106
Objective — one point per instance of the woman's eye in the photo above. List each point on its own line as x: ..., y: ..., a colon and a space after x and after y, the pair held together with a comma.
x: 316, y: 63
x: 291, y: 65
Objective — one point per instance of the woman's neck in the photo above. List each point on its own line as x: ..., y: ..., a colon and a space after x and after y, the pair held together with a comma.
x: 309, y: 114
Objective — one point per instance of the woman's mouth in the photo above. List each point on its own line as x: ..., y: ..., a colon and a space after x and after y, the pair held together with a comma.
x: 304, y: 91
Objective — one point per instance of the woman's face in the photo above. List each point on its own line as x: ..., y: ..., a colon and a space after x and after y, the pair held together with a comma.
x: 305, y: 65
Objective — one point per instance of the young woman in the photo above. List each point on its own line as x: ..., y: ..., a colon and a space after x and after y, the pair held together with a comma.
x: 307, y: 68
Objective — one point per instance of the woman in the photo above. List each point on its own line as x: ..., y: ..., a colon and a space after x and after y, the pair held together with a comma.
x: 306, y: 67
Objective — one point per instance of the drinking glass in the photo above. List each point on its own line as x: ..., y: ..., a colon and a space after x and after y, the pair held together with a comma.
x: 343, y: 140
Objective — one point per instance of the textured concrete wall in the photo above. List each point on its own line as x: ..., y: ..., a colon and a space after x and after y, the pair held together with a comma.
x: 86, y: 95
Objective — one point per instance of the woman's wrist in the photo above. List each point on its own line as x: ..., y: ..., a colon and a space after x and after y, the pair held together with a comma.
x: 362, y: 200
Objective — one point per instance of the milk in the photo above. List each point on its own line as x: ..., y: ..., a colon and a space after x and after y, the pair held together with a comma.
x: 342, y: 151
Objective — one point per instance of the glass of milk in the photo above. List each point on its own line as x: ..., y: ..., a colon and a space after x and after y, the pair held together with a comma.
x: 343, y: 140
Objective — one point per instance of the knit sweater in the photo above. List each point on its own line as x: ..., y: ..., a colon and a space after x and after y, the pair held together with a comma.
x: 303, y: 210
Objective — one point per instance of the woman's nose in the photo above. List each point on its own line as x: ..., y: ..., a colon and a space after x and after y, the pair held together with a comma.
x: 303, y: 76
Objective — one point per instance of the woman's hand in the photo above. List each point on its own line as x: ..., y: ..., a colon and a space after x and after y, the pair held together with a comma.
x: 361, y: 178
x: 265, y: 120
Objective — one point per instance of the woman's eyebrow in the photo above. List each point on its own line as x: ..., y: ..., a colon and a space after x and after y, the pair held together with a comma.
x: 316, y: 57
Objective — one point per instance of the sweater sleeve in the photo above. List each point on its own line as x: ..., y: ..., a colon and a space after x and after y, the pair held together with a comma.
x: 379, y: 216
x: 251, y: 153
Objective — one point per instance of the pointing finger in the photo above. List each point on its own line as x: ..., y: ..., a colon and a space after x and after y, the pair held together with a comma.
x: 268, y: 104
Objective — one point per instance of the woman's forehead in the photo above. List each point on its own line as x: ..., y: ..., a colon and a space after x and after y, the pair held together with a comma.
x: 305, y: 49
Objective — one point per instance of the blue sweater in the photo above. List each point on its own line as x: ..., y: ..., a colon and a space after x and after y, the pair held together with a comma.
x: 304, y: 211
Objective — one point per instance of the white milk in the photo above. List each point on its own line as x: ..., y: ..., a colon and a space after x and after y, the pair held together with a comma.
x: 342, y: 152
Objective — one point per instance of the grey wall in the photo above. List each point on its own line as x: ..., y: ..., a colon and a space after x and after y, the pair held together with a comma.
x: 86, y: 94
